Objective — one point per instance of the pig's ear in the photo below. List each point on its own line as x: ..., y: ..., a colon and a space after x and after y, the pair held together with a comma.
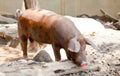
x: 74, y: 45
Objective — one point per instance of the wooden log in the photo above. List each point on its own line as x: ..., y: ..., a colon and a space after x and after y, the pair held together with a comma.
x: 113, y: 19
x: 30, y: 4
x: 7, y: 20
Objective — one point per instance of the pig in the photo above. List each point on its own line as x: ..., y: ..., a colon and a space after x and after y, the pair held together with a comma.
x: 44, y: 26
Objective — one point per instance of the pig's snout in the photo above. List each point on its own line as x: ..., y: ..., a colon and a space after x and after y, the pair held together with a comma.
x: 78, y: 58
x: 80, y: 61
x: 83, y: 63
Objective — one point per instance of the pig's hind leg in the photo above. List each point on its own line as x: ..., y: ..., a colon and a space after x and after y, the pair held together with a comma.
x: 23, y: 37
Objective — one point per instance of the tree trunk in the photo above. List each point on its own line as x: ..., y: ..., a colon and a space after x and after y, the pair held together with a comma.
x: 30, y: 4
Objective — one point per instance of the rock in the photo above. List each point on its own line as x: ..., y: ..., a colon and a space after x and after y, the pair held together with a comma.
x: 3, y: 41
x: 87, y: 26
x: 9, y: 34
x: 7, y: 20
x: 14, y: 42
x: 114, y: 63
x: 2, y: 74
x: 9, y: 29
x: 118, y: 72
x: 9, y: 16
x: 42, y: 56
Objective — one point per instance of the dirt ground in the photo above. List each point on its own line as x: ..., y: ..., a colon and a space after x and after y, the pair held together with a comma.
x: 100, y: 63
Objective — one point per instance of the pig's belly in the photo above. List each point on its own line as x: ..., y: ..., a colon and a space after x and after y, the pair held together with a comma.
x: 40, y: 36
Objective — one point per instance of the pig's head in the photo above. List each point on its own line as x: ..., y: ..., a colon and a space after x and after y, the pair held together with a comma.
x: 77, y: 51
x: 80, y: 58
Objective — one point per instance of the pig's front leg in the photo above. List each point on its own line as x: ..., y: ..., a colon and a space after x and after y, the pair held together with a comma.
x: 56, y: 50
x: 68, y: 54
